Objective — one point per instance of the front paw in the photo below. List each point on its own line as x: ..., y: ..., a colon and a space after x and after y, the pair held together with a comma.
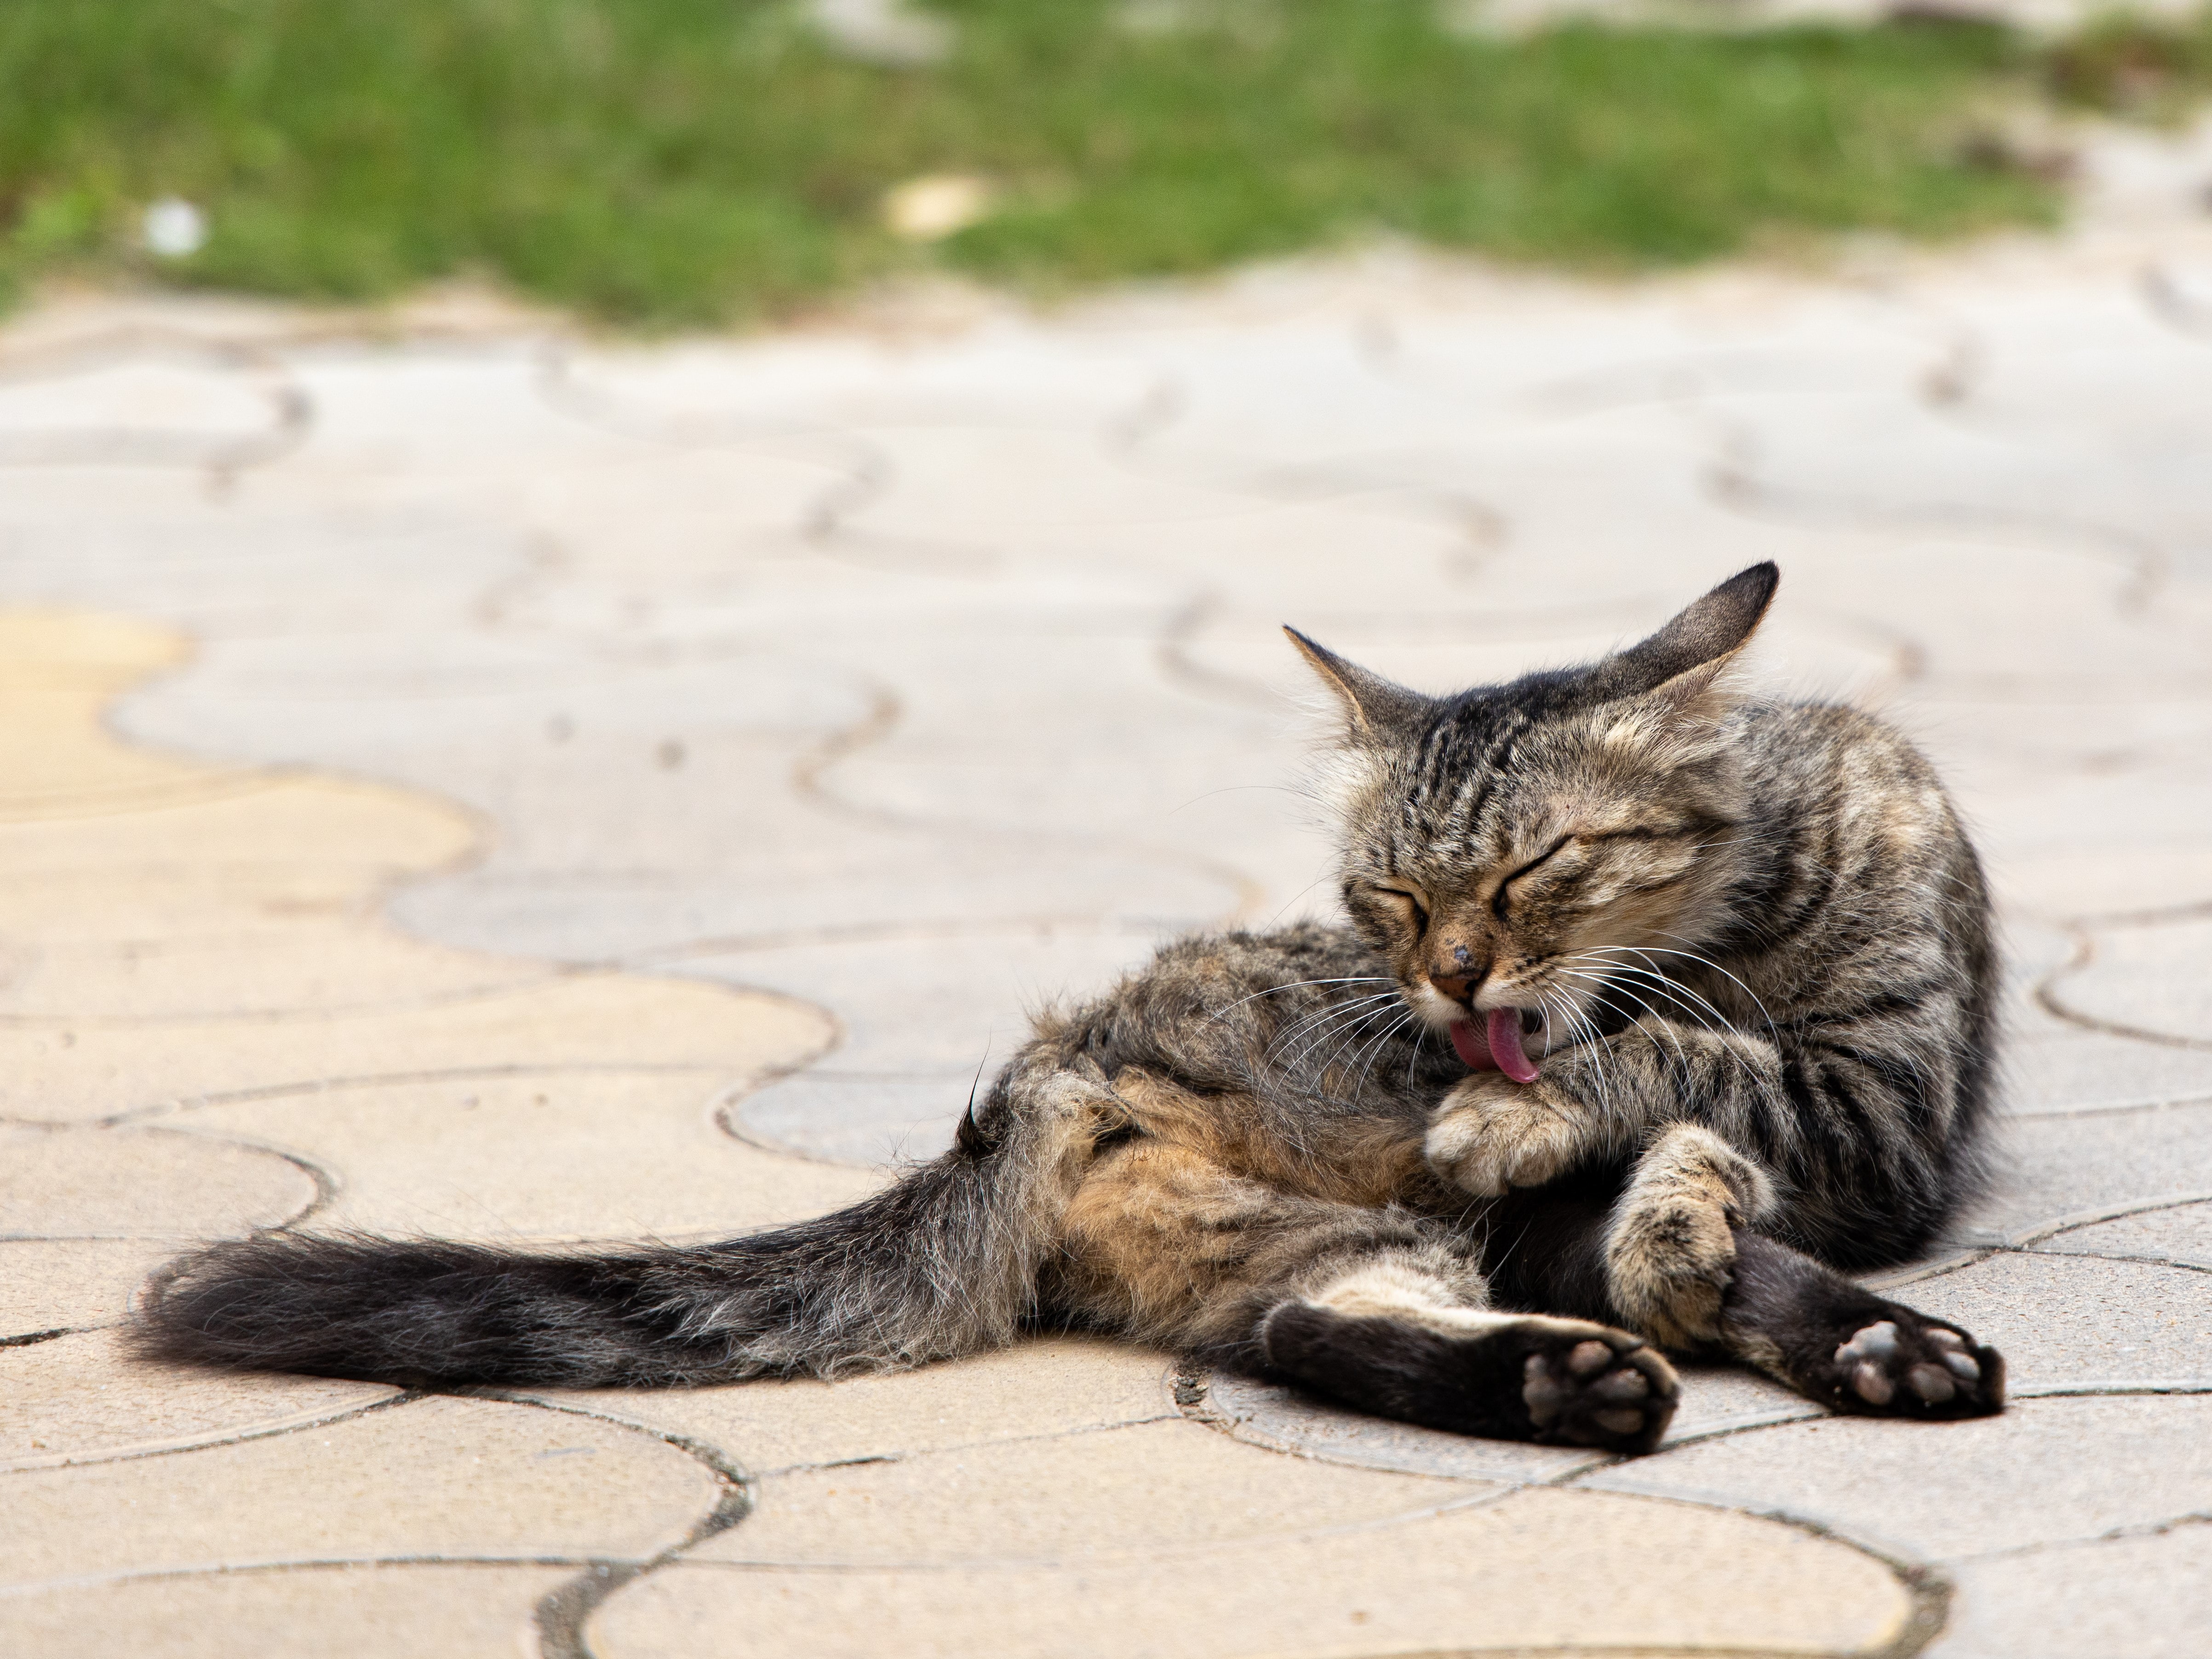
x: 1671, y: 1244
x: 1492, y: 1133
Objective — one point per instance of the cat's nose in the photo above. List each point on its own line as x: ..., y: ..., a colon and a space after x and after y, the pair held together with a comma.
x: 1457, y: 987
x: 1458, y: 972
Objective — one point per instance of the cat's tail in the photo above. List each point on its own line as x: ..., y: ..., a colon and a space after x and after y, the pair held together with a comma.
x: 943, y: 1261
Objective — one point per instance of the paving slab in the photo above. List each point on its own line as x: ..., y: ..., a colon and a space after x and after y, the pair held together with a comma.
x: 74, y: 1285
x: 61, y: 1070
x: 1716, y: 1399
x: 2051, y: 1067
x: 249, y: 838
x: 2148, y: 980
x: 2047, y: 1471
x: 1282, y: 1419
x: 425, y: 1610
x: 82, y: 1399
x: 451, y: 1477
x: 312, y: 965
x: 1126, y: 1497
x: 75, y: 408
x: 2144, y: 1596
x: 2181, y: 1234
x: 68, y: 1183
x: 1050, y: 1386
x: 2077, y: 1323
x: 529, y: 1156
x: 2051, y: 1169
x: 1535, y: 1569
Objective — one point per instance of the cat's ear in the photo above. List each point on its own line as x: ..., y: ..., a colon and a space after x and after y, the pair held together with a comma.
x: 1376, y: 710
x: 1679, y: 664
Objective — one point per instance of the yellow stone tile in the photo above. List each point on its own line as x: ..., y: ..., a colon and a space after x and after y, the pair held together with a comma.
x: 438, y: 1476
x: 306, y: 965
x: 83, y: 1400
x: 420, y: 1611
x: 1052, y: 1385
x: 108, y: 650
x: 557, y: 1155
x: 110, y: 904
x: 252, y: 832
x: 110, y: 1183
x: 57, y: 671
x: 1542, y: 1570
x: 56, y: 1069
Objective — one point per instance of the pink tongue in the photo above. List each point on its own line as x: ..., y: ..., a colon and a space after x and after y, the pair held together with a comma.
x: 1468, y: 1047
x: 1505, y: 1045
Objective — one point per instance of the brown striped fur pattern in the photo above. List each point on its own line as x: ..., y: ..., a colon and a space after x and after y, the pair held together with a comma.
x: 1747, y: 948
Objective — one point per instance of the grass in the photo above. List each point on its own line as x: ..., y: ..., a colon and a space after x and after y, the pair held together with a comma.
x: 680, y: 161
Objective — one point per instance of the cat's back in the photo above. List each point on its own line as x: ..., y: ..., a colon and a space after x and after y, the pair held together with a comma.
x: 1853, y: 782
x: 1868, y: 865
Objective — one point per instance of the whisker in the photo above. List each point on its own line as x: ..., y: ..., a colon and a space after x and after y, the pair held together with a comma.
x: 1330, y: 1010
x: 1708, y: 962
x: 1683, y: 995
x: 1320, y: 1024
x: 1588, y: 1038
x: 1353, y: 979
x: 1376, y: 1047
x: 1344, y: 1032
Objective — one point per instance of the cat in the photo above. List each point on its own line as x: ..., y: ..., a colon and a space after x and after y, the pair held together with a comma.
x: 1657, y: 1004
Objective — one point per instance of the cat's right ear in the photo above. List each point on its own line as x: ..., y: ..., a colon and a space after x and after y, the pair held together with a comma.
x: 1681, y: 663
x: 1376, y: 710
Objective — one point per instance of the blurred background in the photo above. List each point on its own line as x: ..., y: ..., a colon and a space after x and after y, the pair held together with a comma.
x: 683, y: 162
x: 599, y: 599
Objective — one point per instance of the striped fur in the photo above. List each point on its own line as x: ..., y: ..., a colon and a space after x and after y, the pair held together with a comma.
x: 1750, y: 946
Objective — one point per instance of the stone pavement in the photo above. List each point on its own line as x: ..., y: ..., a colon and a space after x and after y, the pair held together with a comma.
x: 457, y: 777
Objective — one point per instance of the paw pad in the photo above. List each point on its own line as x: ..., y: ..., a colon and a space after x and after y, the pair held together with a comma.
x: 1617, y: 1394
x: 1588, y: 1359
x: 1931, y: 1385
x: 1900, y: 1365
x: 1871, y: 1383
x: 1621, y: 1387
x: 1876, y: 1342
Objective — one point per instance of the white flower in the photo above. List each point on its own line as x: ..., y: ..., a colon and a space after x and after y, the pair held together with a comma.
x: 174, y: 228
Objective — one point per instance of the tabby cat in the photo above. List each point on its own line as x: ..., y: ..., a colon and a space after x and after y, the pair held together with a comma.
x: 1658, y: 1004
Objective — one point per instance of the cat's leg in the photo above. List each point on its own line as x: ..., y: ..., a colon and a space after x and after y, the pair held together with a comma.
x: 1670, y: 1247
x: 1851, y: 1132
x: 1382, y: 1309
x: 1673, y: 1253
x: 1809, y: 1326
x: 1387, y: 1334
x: 1687, y: 1267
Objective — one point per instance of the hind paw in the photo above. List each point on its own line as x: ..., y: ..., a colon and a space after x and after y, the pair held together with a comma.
x: 1590, y: 1386
x: 1508, y: 1376
x: 1905, y: 1365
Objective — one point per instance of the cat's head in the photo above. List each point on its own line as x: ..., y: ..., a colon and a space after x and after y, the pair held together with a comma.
x: 1516, y: 847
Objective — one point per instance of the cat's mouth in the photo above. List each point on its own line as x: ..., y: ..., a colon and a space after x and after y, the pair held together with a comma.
x: 1500, y: 1043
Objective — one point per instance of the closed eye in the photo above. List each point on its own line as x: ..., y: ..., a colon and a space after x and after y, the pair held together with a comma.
x: 1497, y: 904
x: 1419, y: 911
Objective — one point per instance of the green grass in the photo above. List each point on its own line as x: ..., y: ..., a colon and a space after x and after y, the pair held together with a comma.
x: 677, y: 162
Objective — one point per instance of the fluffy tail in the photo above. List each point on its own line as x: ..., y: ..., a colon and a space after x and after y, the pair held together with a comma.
x: 943, y: 1262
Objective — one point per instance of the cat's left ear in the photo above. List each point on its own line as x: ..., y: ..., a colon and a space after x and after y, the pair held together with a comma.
x: 1679, y: 664
x: 1377, y: 711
